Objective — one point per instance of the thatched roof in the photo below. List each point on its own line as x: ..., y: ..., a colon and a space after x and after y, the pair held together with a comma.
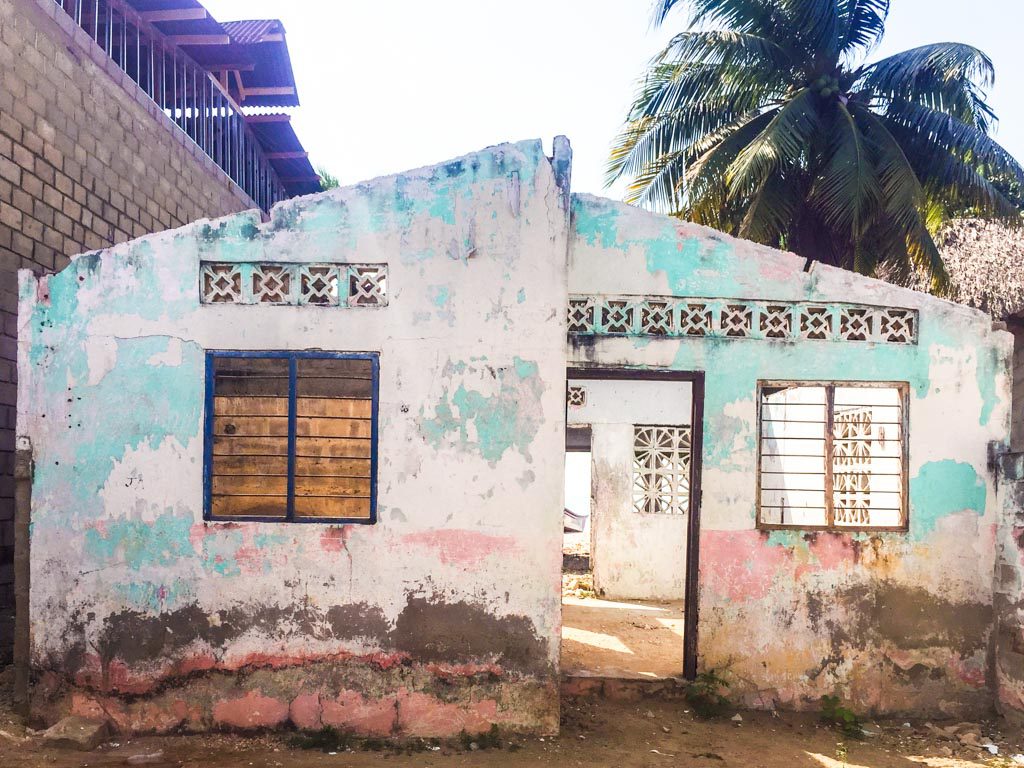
x: 985, y: 261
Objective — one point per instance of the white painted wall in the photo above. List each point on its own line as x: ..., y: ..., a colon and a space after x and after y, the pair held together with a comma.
x: 470, y: 480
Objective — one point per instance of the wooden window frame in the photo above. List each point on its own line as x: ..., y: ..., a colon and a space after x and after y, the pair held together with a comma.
x: 292, y: 358
x: 903, y: 388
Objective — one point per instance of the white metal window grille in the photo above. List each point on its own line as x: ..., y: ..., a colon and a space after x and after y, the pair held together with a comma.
x: 832, y: 456
x: 851, y: 445
x: 661, y: 470
x: 675, y: 317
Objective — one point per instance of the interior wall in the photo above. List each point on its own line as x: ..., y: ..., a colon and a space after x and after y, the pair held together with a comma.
x: 633, y: 555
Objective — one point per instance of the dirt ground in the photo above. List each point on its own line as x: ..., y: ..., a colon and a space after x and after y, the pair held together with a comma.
x: 634, y: 639
x: 595, y: 733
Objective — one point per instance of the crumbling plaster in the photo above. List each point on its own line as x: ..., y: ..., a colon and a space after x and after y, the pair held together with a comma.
x: 891, y: 622
x: 444, y: 615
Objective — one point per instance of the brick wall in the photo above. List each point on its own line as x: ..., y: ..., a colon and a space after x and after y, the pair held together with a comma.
x: 86, y: 160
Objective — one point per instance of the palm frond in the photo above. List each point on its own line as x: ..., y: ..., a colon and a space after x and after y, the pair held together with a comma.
x: 903, y: 199
x: 847, y: 190
x: 736, y: 50
x: 949, y: 77
x: 680, y: 85
x: 660, y: 186
x: 739, y: 15
x: 771, y: 210
x: 963, y: 186
x: 781, y: 144
x: 706, y: 198
x: 863, y: 24
x: 817, y: 26
x: 678, y: 104
x: 936, y: 132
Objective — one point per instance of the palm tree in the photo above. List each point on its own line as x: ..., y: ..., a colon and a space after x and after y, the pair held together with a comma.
x: 763, y: 119
x: 327, y: 179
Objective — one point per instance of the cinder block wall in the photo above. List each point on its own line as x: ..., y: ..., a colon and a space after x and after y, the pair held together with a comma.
x: 86, y: 160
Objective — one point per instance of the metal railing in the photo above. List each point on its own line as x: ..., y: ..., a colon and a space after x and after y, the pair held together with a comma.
x: 187, y: 93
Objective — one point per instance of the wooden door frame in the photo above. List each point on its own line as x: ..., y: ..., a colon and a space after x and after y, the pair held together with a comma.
x: 691, y: 606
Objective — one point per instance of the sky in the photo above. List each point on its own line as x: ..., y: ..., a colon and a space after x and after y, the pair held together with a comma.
x: 391, y: 86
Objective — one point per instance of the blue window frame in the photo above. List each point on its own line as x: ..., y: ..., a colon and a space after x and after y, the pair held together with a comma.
x: 291, y: 437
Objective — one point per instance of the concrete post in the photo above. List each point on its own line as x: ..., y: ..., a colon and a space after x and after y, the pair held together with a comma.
x: 22, y: 516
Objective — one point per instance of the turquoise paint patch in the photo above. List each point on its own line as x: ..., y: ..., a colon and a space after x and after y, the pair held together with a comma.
x: 268, y: 540
x: 439, y: 295
x: 138, y: 544
x: 220, y: 553
x: 488, y: 424
x: 677, y: 260
x: 136, y: 402
x: 944, y: 488
x: 494, y: 418
x: 985, y: 373
x: 521, y: 296
x: 155, y: 597
x: 526, y: 369
x: 595, y: 223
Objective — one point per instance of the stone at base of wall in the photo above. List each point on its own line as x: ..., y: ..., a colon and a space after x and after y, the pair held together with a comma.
x: 407, y: 700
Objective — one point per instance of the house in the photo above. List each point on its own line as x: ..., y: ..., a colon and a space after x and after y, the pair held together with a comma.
x: 309, y: 472
x: 119, y: 118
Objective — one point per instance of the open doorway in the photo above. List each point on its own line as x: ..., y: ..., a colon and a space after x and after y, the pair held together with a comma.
x: 630, y: 524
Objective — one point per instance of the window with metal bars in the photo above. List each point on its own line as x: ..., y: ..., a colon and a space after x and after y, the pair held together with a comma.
x: 832, y: 455
x: 291, y: 436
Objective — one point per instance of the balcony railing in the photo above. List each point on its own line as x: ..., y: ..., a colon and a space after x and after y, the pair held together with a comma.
x: 187, y: 93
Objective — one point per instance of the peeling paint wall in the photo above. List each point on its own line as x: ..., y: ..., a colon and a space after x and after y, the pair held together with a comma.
x: 891, y: 622
x: 1008, y: 666
x: 443, y: 616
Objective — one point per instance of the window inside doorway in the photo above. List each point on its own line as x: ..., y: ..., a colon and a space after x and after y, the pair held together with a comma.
x: 661, y: 470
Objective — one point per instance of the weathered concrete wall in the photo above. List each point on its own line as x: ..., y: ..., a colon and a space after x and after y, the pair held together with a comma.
x: 441, y: 617
x: 1016, y: 327
x: 890, y: 621
x: 1009, y: 591
x: 633, y: 555
x: 87, y: 159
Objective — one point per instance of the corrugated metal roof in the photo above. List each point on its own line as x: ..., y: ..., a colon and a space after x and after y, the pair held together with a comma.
x: 254, y: 51
x: 278, y: 139
x: 253, y: 30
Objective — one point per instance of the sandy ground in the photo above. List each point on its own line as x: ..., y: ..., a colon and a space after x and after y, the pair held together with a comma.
x: 635, y: 639
x: 595, y: 733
